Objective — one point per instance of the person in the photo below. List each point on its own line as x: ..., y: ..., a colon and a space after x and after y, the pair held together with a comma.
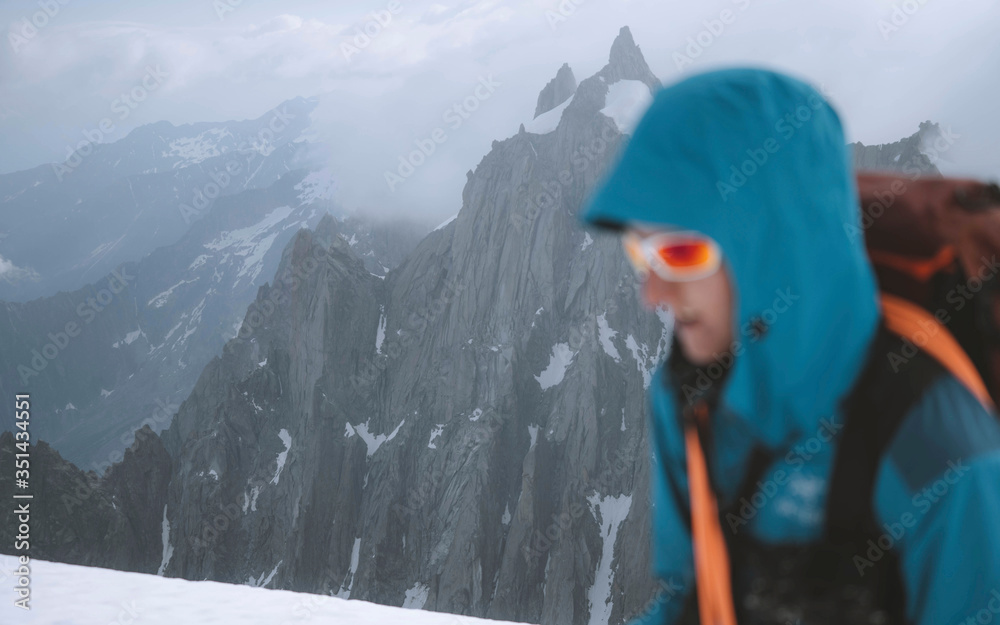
x: 846, y: 491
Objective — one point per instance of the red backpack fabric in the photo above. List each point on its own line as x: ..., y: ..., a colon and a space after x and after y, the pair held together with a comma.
x: 921, y: 230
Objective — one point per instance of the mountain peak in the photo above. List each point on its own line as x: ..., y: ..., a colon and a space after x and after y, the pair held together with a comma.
x: 913, y: 153
x: 627, y: 63
x: 557, y: 91
x: 624, y: 40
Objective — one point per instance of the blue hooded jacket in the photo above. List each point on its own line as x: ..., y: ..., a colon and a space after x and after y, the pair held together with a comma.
x: 757, y: 160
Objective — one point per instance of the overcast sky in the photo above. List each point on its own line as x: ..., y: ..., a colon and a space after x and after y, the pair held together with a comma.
x: 939, y: 61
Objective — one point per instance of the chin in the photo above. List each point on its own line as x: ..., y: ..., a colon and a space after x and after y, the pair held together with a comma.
x: 698, y: 358
x: 694, y: 354
x: 697, y: 352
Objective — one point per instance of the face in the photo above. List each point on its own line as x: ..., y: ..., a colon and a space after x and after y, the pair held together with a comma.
x: 702, y: 308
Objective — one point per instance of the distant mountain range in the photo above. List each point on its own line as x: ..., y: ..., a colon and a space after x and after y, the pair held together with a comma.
x: 67, y: 224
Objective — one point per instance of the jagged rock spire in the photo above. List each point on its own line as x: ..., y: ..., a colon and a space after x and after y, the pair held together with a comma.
x: 627, y: 63
x: 559, y: 89
x: 907, y: 155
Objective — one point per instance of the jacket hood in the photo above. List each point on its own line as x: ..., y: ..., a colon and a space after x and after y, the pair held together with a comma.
x: 757, y: 160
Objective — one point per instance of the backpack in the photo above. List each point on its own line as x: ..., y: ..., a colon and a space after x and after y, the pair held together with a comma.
x: 928, y: 239
x: 925, y: 232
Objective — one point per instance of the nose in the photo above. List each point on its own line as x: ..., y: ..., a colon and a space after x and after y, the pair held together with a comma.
x: 659, y: 292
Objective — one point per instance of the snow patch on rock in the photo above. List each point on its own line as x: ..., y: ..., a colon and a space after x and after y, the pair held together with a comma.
x: 160, y: 299
x: 605, y: 334
x: 446, y: 222
x: 198, y: 262
x: 416, y: 597
x: 168, y: 549
x: 626, y: 102
x: 611, y: 512
x: 317, y: 185
x: 559, y: 362
x: 371, y: 440
x: 262, y: 581
x: 380, y: 333
x: 252, y: 243
x: 641, y: 355
x: 286, y: 438
x: 192, y: 150
x: 437, y: 431
x: 345, y: 593
x: 533, y: 433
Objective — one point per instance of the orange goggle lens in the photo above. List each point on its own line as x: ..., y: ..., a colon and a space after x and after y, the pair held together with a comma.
x: 673, y: 256
x: 685, y: 254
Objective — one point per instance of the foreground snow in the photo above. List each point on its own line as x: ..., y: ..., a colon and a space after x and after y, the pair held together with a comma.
x: 64, y: 594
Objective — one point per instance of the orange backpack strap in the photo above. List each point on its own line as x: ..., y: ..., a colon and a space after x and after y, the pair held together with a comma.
x: 910, y: 321
x: 711, y: 557
x: 921, y: 268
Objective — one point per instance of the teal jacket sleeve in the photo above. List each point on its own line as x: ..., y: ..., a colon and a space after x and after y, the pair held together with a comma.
x: 937, y: 500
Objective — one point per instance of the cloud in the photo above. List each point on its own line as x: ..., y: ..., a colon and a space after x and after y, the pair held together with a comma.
x: 14, y: 274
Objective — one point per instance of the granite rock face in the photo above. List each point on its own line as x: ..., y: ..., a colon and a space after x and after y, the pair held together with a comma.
x: 462, y: 435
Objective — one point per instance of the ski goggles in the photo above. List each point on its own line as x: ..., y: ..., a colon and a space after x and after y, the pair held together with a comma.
x: 673, y: 256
